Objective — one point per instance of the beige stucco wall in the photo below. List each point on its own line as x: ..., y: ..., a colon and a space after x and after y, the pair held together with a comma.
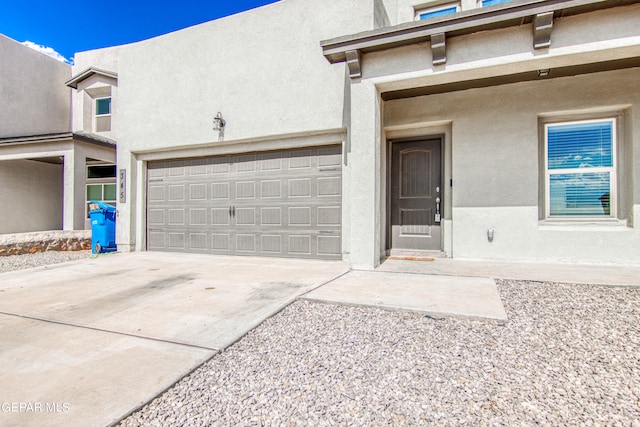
x: 33, y: 97
x: 495, y: 166
x: 262, y: 69
x: 31, y: 195
x: 491, y: 138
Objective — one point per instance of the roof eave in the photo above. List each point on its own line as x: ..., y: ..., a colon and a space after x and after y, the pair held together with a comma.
x: 517, y: 12
x: 93, y: 138
x: 89, y: 72
x: 50, y: 137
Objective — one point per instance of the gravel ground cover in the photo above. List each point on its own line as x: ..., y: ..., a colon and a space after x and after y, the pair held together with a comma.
x: 20, y: 262
x: 568, y: 355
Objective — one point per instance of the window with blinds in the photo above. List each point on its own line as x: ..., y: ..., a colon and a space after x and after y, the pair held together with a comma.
x: 581, y: 169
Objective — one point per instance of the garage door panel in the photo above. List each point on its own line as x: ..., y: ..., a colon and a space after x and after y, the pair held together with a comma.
x: 271, y: 162
x: 197, y: 192
x: 299, y: 187
x: 220, y: 191
x: 329, y: 245
x: 176, y: 240
x: 245, y: 190
x: 157, y: 193
x: 198, y: 167
x: 220, y: 216
x: 271, y: 244
x: 246, y: 243
x: 329, y: 186
x: 176, y: 217
x: 156, y: 240
x: 329, y: 216
x: 284, y: 203
x: 271, y: 216
x: 220, y: 165
x: 300, y: 159
x: 198, y: 241
x: 329, y: 156
x: 300, y: 244
x: 270, y: 189
x: 221, y: 242
x: 245, y: 163
x: 198, y: 217
x: 176, y: 193
x: 245, y: 216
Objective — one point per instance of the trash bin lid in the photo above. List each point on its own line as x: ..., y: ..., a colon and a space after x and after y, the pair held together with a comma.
x: 95, y: 205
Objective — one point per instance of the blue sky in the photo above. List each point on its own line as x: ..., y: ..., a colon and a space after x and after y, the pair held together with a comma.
x: 69, y: 27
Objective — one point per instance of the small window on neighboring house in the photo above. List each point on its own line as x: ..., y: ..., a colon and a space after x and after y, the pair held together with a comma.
x: 101, y: 184
x: 492, y: 2
x: 103, y: 114
x: 580, y: 163
x: 431, y: 12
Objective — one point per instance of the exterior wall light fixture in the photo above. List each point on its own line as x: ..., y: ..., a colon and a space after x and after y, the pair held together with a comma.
x: 218, y: 122
x: 544, y: 73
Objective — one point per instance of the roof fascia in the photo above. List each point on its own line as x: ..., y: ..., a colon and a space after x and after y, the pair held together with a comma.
x: 89, y: 72
x: 92, y: 138
x: 53, y: 137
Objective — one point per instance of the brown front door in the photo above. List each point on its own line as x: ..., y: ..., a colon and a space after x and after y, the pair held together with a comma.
x: 416, y: 195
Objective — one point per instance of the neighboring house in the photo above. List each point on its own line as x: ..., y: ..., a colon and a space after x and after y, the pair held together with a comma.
x: 353, y: 128
x: 43, y: 166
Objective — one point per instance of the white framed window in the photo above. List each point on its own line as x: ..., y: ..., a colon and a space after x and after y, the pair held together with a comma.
x: 103, y: 114
x: 439, y: 10
x: 580, y: 169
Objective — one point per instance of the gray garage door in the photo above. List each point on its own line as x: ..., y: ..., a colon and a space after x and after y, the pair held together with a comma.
x: 281, y: 203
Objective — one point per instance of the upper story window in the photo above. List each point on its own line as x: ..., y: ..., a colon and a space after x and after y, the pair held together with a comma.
x: 431, y: 12
x: 580, y: 168
x: 491, y: 2
x: 103, y: 114
x: 94, y: 91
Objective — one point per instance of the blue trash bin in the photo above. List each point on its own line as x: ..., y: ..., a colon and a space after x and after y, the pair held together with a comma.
x: 103, y: 227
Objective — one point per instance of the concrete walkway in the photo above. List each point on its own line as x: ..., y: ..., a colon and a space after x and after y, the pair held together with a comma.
x: 475, y: 297
x: 463, y: 288
x: 595, y: 274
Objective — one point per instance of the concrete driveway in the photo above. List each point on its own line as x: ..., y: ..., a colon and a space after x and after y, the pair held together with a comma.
x: 84, y: 343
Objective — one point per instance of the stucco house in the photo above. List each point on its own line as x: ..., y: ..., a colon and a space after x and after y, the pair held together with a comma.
x: 45, y: 169
x: 352, y: 129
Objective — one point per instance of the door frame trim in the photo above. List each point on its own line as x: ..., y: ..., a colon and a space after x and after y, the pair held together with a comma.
x: 389, y: 162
